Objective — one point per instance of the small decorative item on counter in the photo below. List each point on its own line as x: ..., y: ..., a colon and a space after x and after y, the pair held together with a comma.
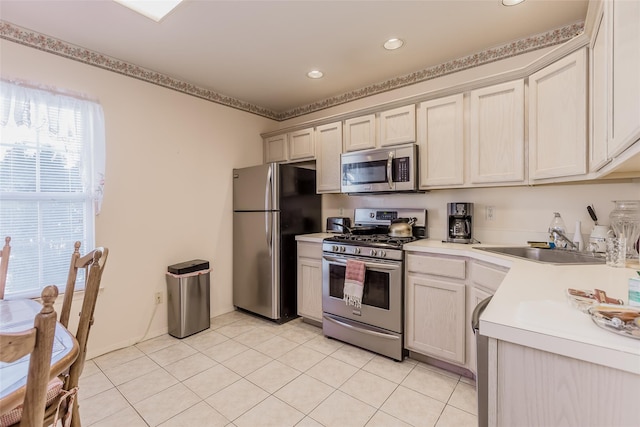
x: 625, y: 220
x: 634, y: 291
x: 584, y: 299
x: 616, y: 251
x: 619, y: 319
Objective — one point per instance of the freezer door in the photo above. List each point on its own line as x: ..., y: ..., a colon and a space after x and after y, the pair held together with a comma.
x: 255, y: 259
x: 253, y: 188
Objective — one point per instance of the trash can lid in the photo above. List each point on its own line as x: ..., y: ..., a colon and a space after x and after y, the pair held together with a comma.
x: 188, y: 266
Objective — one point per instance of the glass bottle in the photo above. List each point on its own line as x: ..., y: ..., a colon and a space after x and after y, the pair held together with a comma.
x: 557, y: 224
x: 625, y: 221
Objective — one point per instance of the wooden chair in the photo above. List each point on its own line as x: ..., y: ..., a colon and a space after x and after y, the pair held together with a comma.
x: 37, y: 341
x: 93, y: 263
x: 4, y: 265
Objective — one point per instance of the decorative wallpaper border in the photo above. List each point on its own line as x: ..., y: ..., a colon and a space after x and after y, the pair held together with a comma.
x: 48, y: 44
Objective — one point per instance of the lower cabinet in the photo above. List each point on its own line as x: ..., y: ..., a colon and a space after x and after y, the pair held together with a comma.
x: 441, y: 292
x: 310, y: 280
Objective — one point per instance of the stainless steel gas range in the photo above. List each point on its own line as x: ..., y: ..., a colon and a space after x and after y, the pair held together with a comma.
x: 378, y: 324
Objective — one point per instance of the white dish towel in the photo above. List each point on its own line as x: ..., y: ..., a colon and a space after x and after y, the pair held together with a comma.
x: 354, y: 283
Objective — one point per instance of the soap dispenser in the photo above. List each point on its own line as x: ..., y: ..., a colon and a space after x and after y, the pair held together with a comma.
x: 577, y: 237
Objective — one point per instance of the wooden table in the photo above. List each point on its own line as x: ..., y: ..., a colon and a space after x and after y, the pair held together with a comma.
x: 18, y: 315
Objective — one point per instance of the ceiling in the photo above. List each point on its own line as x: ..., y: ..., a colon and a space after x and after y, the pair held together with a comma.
x: 259, y: 52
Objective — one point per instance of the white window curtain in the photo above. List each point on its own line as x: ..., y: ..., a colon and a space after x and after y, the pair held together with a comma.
x: 52, y: 158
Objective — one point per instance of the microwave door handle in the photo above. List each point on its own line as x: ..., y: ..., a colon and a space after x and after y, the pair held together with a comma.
x: 390, y: 170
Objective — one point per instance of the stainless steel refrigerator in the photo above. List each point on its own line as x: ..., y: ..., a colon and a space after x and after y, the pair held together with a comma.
x: 272, y: 204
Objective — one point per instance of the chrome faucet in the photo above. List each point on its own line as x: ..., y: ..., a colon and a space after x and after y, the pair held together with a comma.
x: 558, y: 235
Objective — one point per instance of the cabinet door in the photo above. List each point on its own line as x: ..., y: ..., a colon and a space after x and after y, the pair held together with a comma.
x: 440, y: 138
x: 435, y: 317
x: 497, y: 133
x: 625, y: 51
x: 329, y: 148
x: 397, y: 126
x: 310, y: 288
x: 359, y: 133
x: 598, y: 104
x: 301, y: 145
x: 557, y: 119
x: 275, y: 149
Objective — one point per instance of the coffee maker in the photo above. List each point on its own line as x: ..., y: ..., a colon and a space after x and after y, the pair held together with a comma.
x: 459, y: 222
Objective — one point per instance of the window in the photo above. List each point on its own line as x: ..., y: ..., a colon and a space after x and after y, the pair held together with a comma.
x: 51, y: 180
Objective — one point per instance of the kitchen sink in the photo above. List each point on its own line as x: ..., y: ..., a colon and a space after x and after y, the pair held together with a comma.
x: 549, y: 256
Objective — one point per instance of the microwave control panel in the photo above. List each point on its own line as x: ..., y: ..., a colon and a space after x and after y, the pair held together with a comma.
x: 401, y: 172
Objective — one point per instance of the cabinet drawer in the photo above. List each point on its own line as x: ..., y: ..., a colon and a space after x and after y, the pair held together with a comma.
x: 439, y: 266
x: 310, y: 250
x: 487, y: 276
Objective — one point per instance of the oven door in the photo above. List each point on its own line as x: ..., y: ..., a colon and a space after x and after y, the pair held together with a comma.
x: 382, y: 294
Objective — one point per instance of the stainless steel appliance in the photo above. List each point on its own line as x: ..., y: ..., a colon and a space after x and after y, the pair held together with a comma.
x: 378, y: 325
x: 272, y: 203
x: 482, y: 364
x: 387, y: 170
x: 337, y: 224
x: 460, y: 222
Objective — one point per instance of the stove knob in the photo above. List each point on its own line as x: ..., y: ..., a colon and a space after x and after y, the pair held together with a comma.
x: 342, y: 249
x: 383, y: 254
x: 373, y: 252
x: 356, y: 250
x: 334, y: 248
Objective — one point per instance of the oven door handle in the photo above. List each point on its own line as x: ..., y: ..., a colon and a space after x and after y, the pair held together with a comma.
x: 379, y: 266
x: 364, y: 331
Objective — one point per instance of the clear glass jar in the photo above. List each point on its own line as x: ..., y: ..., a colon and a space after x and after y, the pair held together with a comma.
x: 625, y: 221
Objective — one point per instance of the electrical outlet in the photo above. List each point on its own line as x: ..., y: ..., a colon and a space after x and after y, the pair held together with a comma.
x: 158, y: 297
x: 489, y: 213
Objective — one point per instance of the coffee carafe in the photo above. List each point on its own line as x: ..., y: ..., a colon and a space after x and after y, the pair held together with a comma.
x: 460, y: 222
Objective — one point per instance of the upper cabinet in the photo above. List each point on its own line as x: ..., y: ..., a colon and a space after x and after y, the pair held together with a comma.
x: 292, y: 146
x: 360, y: 133
x: 397, y: 126
x: 614, y: 83
x: 557, y: 119
x: 275, y: 149
x: 329, y: 147
x: 441, y: 142
x: 496, y: 131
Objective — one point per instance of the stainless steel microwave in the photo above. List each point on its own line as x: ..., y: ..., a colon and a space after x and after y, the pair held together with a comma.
x: 385, y: 170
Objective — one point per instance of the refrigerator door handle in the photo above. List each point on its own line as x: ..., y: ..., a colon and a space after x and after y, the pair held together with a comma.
x: 267, y: 190
x: 267, y: 206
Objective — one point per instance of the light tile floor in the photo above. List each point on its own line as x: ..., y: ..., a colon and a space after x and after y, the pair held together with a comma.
x: 246, y: 371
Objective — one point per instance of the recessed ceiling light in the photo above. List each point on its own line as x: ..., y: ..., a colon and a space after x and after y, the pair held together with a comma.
x: 152, y: 9
x: 393, y: 44
x: 315, y: 74
x: 511, y: 2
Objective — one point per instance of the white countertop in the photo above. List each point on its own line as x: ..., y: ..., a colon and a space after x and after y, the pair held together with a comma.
x: 313, y: 238
x: 530, y: 307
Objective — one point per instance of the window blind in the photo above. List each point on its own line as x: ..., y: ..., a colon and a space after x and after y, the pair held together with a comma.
x: 50, y: 183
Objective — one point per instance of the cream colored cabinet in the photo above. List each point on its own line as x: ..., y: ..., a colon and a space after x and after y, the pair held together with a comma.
x: 485, y: 278
x: 598, y: 95
x: 292, y: 146
x: 310, y: 280
x: 524, y: 385
x: 397, y: 126
x: 328, y: 149
x: 302, y: 145
x: 557, y: 119
x: 496, y: 152
x: 625, y: 57
x: 435, y: 323
x: 440, y: 125
x: 276, y: 149
x: 360, y: 133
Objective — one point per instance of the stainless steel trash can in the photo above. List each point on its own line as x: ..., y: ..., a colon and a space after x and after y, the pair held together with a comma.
x: 188, y: 297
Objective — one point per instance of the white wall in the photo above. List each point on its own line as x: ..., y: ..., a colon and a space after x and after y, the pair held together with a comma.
x: 168, y: 187
x: 520, y: 213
